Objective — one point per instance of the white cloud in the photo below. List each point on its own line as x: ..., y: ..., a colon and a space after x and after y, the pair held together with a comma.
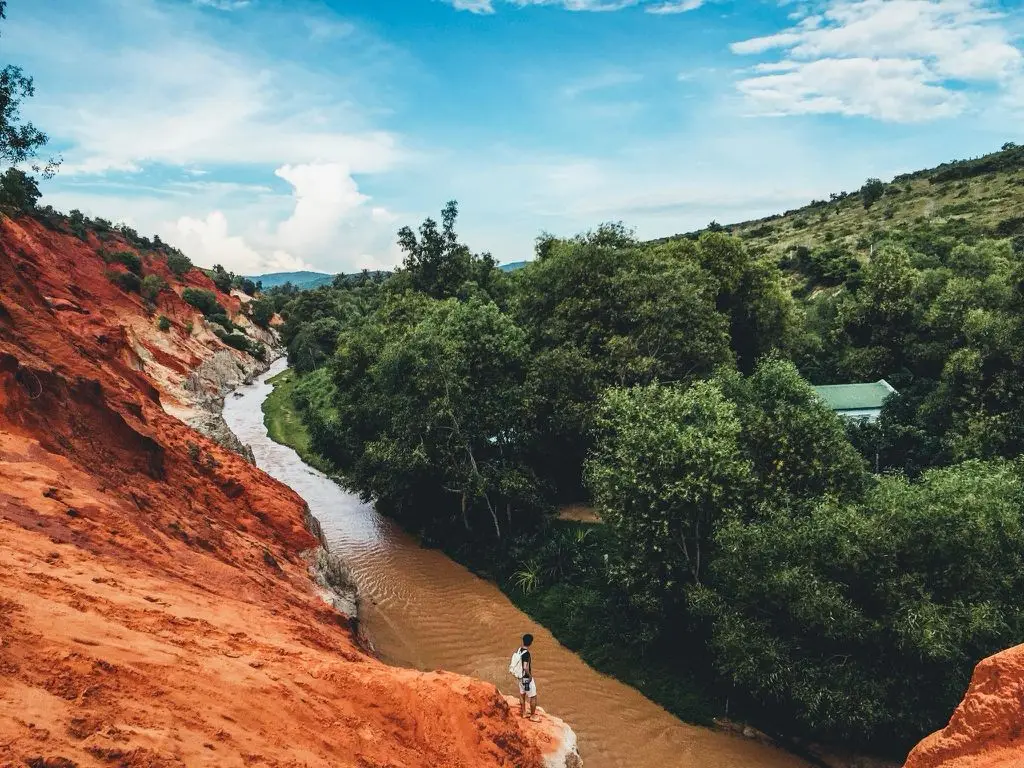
x: 186, y: 143
x: 325, y: 195
x: 650, y: 6
x: 895, y: 60
x: 208, y: 242
x: 473, y: 6
x: 225, y: 5
x: 898, y: 90
x: 599, y: 82
x: 677, y: 6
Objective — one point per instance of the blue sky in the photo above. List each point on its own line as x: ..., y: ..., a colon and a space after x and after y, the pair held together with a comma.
x: 281, y: 134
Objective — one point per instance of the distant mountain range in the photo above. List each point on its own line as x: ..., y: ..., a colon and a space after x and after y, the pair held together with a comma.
x: 305, y: 280
x: 512, y: 266
x: 309, y: 280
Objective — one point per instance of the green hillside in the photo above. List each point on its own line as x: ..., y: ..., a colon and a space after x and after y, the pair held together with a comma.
x: 965, y: 198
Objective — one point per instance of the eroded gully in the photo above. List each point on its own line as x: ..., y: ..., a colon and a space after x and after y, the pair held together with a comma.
x: 421, y: 609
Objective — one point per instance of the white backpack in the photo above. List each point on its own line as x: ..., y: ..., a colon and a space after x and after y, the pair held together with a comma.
x: 515, y: 666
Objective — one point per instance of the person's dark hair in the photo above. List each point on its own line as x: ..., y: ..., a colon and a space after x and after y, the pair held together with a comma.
x: 527, y: 639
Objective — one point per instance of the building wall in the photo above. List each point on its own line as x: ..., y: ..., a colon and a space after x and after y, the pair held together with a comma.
x: 861, y: 414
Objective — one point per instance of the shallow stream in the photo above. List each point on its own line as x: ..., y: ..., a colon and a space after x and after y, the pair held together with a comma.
x: 421, y: 609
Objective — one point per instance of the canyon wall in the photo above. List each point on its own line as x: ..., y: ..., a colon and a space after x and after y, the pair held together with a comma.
x: 156, y: 604
x: 987, y: 729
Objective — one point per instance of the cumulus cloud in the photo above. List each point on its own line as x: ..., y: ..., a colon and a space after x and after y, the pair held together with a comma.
x: 208, y: 242
x: 199, y: 137
x: 330, y: 226
x: 895, y: 60
x: 650, y: 6
x: 225, y: 5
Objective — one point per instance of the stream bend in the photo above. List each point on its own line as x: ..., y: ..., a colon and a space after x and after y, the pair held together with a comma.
x: 422, y: 610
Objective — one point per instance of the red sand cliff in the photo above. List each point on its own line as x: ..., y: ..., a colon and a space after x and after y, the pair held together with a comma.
x: 987, y: 729
x: 155, y: 609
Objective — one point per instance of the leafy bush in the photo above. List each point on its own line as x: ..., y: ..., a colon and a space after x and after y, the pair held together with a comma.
x: 223, y: 321
x: 127, y: 281
x: 178, y: 263
x: 77, y: 224
x: 18, y: 190
x: 241, y: 342
x: 164, y: 324
x: 203, y: 300
x: 222, y: 279
x: 129, y: 260
x: 863, y: 621
x: 262, y: 311
x: 152, y: 286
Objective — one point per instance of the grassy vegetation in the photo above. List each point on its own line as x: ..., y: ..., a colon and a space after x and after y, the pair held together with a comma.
x: 986, y: 192
x: 283, y: 422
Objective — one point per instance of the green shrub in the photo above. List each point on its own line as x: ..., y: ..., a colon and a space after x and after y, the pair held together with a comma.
x: 222, y: 320
x: 241, y: 342
x: 18, y: 190
x: 262, y: 311
x: 77, y: 224
x: 178, y: 263
x: 126, y: 281
x: 129, y: 259
x: 152, y: 286
x: 864, y: 620
x: 203, y: 300
x: 163, y: 323
x: 222, y: 278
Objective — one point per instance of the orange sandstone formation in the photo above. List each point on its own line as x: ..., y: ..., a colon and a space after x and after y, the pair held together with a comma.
x: 987, y: 729
x: 155, y: 605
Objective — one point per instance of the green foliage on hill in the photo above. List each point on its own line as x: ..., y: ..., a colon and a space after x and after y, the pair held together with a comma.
x: 203, y: 300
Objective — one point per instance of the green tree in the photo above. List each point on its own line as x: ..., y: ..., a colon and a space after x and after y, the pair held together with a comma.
x: 666, y: 466
x: 430, y: 406
x: 797, y: 446
x: 872, y: 192
x: 863, y: 620
x: 152, y: 287
x: 18, y: 190
x: 313, y: 345
x: 262, y: 311
x: 602, y: 311
x: 439, y: 265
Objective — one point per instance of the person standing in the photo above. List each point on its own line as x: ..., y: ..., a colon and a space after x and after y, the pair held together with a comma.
x: 522, y: 667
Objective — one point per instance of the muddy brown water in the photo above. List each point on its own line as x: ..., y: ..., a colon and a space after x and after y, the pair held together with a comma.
x: 421, y: 609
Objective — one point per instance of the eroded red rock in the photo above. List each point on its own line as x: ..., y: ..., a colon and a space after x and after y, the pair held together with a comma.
x: 987, y: 729
x: 155, y: 607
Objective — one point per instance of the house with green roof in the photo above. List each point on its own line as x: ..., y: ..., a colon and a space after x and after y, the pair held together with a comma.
x: 862, y: 402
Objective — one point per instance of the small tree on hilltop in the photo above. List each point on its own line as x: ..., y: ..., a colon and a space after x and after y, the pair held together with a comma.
x: 872, y: 192
x: 18, y: 190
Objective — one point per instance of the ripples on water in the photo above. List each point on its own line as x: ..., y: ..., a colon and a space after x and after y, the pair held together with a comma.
x: 423, y: 610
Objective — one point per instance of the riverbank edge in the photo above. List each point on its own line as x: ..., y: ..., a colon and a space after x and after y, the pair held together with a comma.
x: 329, y: 573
